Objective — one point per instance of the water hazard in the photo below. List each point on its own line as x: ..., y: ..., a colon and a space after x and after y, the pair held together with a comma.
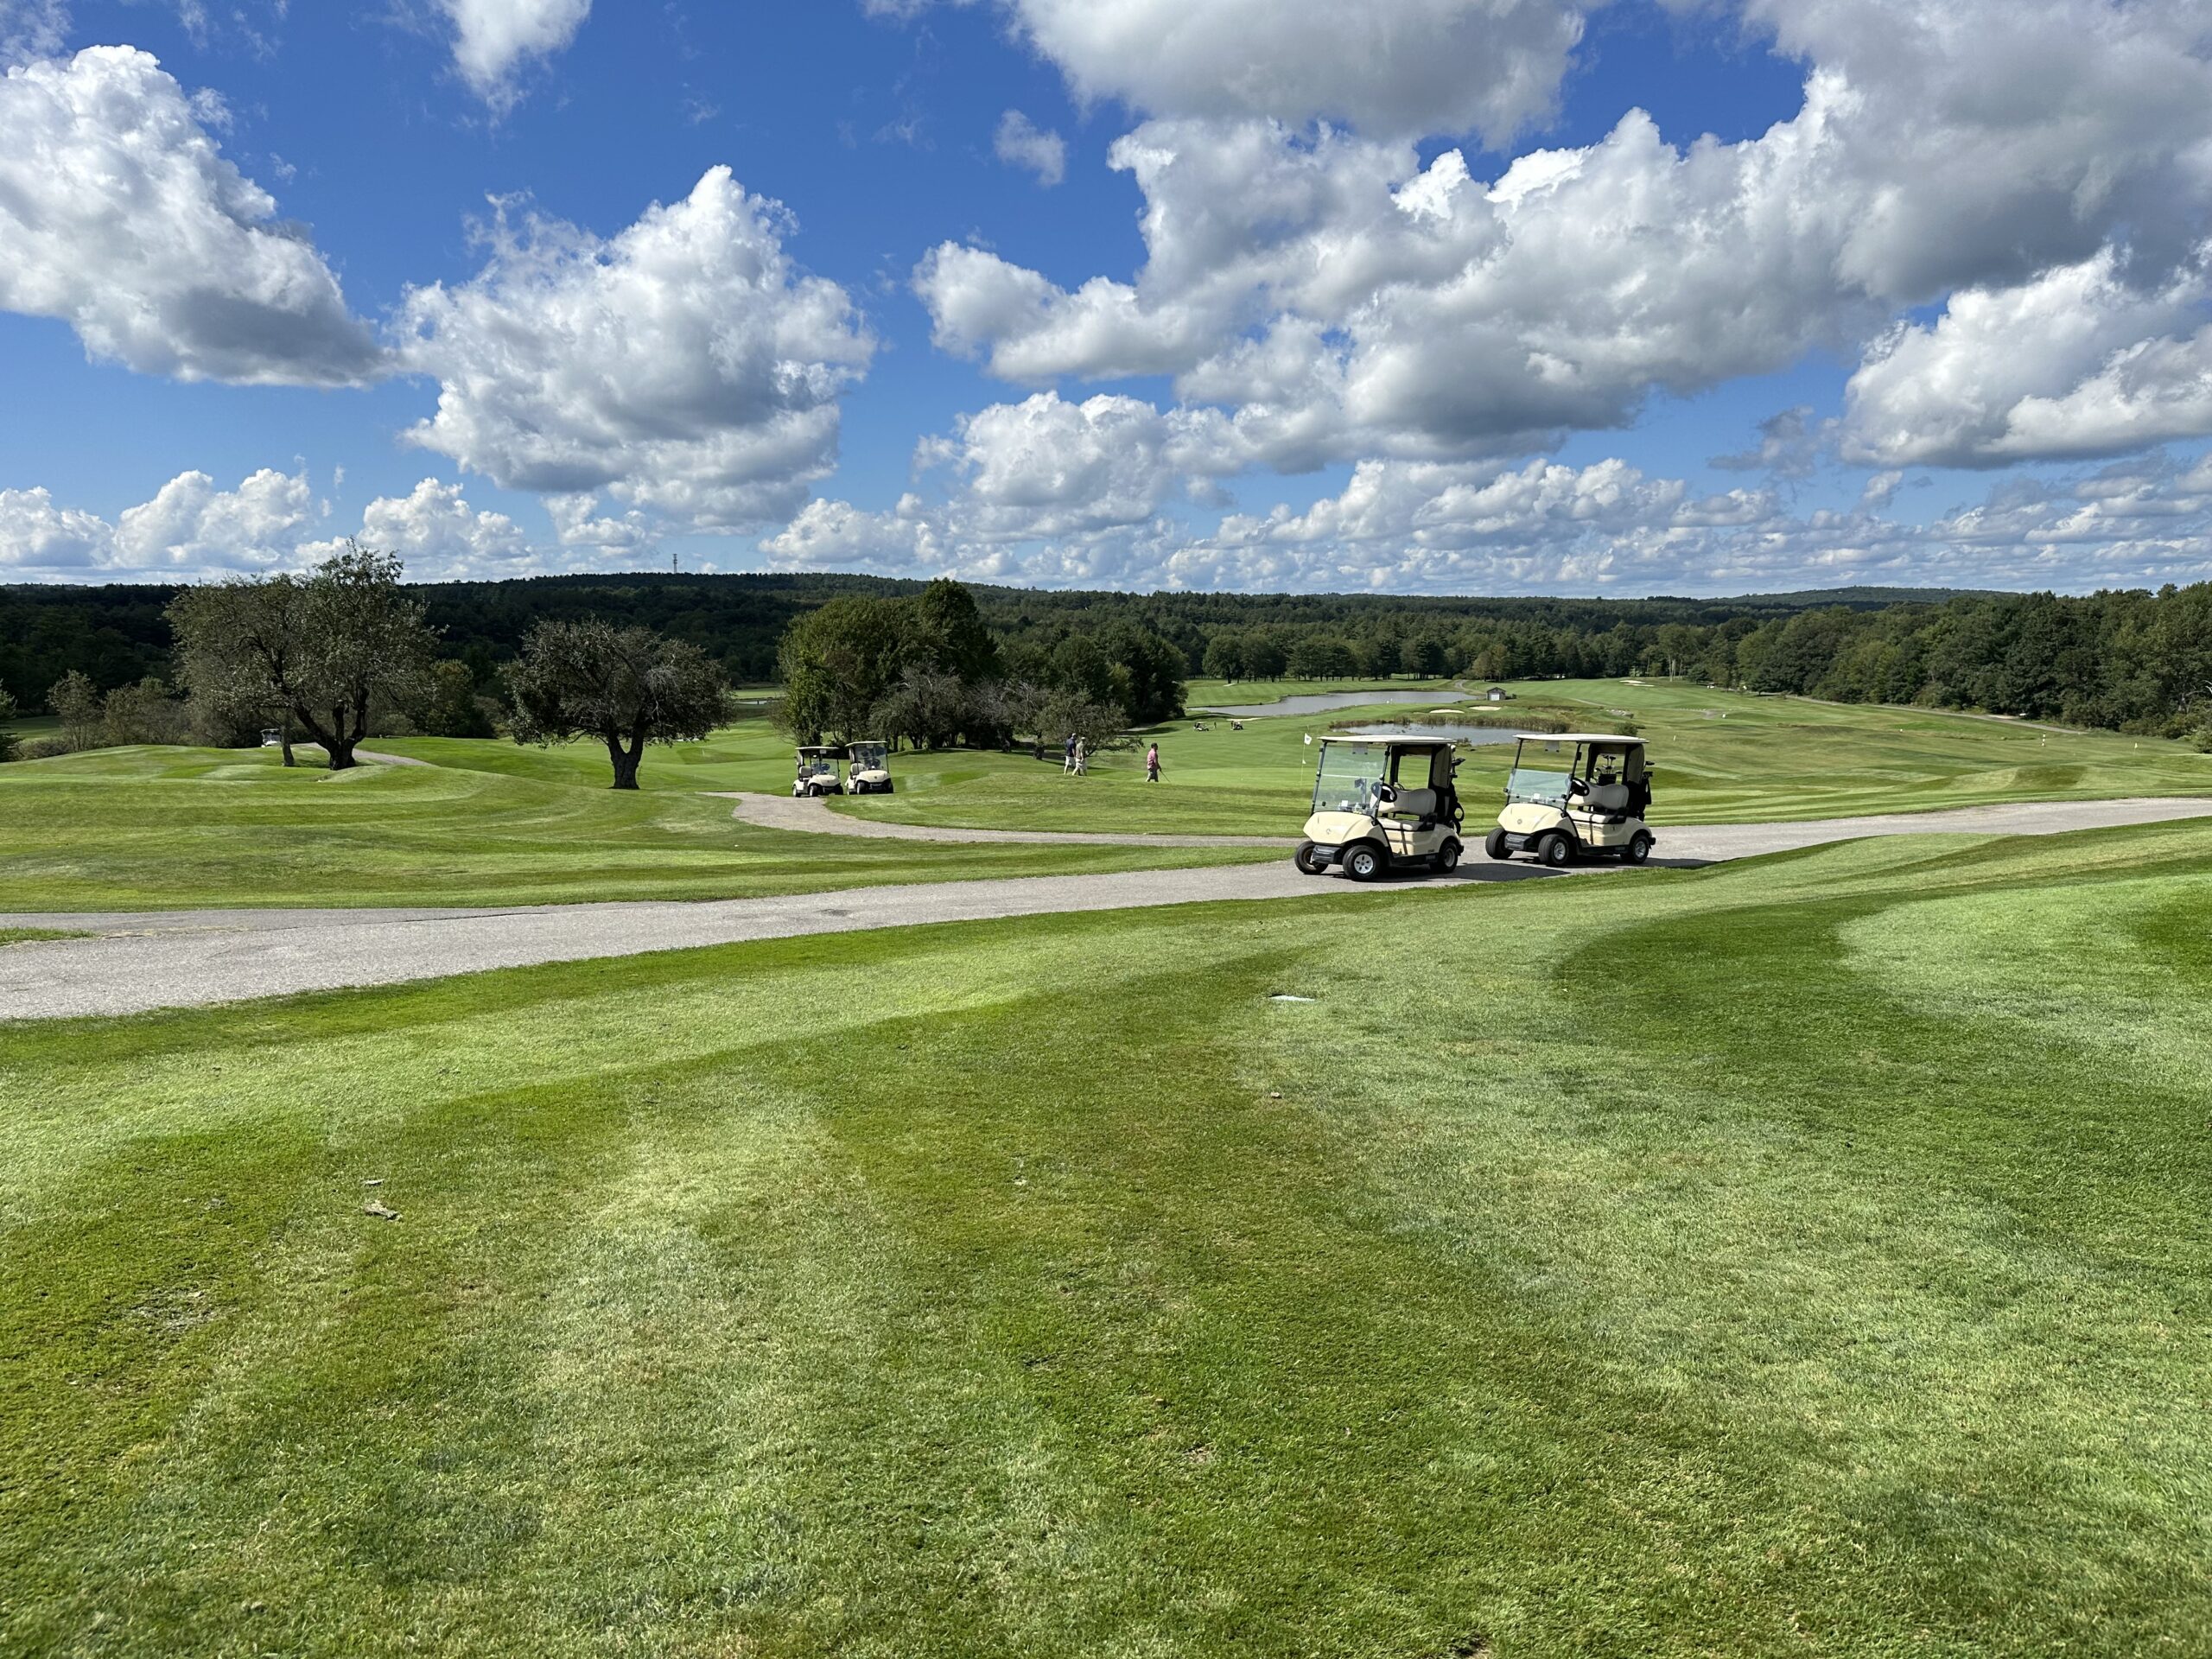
x: 1443, y: 728
x: 1322, y: 702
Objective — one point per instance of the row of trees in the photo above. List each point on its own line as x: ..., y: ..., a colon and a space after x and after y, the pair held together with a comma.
x: 334, y: 655
x: 928, y: 670
x: 2132, y: 662
x: 945, y: 663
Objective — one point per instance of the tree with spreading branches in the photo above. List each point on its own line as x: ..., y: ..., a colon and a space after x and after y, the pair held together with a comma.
x: 327, y: 651
x: 626, y: 687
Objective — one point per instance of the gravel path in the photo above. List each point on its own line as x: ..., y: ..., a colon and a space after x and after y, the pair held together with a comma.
x: 813, y: 814
x: 140, y: 961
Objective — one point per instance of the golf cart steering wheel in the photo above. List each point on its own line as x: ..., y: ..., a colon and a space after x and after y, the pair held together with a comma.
x: 1385, y: 794
x: 1576, y: 786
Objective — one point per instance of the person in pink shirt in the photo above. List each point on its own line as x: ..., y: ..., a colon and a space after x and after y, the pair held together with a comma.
x: 1152, y: 764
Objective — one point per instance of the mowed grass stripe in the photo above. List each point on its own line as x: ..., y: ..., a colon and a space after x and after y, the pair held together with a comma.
x: 1663, y: 1278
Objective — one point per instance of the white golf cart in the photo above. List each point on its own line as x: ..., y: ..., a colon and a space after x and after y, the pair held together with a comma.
x: 1382, y: 803
x: 818, y: 772
x: 1579, y: 794
x: 868, y: 768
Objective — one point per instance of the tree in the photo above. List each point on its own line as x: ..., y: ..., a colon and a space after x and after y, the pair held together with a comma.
x: 928, y: 708
x: 837, y: 664
x: 626, y: 687
x: 77, y: 700
x: 952, y: 631
x: 1068, y: 714
x: 1224, y: 658
x: 325, y: 650
x: 144, y: 712
x: 1319, y: 656
x: 450, y: 707
x: 7, y: 717
x: 1150, y: 685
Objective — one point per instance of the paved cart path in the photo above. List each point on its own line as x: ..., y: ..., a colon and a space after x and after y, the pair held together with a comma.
x: 137, y: 961
x: 813, y: 814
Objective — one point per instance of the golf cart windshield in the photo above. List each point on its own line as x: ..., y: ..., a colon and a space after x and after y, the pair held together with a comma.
x: 867, y: 757
x: 1348, y: 772
x: 1541, y: 771
x: 817, y: 765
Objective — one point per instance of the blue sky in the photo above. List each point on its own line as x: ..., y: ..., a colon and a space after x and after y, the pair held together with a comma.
x: 1250, y: 294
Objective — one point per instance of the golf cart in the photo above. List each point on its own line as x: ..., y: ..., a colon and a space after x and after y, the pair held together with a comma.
x: 868, y: 768
x: 1575, y: 795
x: 818, y: 772
x: 1381, y: 804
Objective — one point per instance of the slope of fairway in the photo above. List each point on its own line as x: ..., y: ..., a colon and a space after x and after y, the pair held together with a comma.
x: 1721, y: 757
x: 1805, y: 1256
x: 486, y: 823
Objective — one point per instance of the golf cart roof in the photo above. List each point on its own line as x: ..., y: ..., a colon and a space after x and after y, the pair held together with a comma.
x: 822, y: 748
x: 1579, y: 737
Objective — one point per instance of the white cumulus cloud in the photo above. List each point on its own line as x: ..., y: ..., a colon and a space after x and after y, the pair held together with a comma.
x: 685, y: 366
x: 191, y: 525
x: 37, y: 536
x: 494, y: 39
x: 440, y: 535
x: 120, y: 216
x: 2078, y: 362
x: 1021, y: 142
x: 1398, y: 67
x: 1345, y: 301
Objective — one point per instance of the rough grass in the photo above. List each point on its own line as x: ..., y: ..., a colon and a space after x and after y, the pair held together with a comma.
x: 489, y: 823
x: 34, y: 934
x: 1805, y: 1256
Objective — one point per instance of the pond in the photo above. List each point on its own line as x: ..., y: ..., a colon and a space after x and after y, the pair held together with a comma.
x: 1322, y: 702
x: 1463, y: 733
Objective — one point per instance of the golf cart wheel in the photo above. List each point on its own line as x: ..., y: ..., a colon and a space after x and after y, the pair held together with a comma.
x: 1495, y: 845
x: 1363, y: 863
x: 1447, y: 858
x: 1308, y: 864
x: 1639, y: 847
x: 1555, y: 850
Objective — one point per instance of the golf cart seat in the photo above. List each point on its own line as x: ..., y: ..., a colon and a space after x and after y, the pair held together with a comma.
x: 1414, y: 803
x: 1608, y: 798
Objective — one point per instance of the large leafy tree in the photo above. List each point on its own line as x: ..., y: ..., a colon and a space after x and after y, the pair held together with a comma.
x: 7, y: 717
x: 840, y: 661
x: 954, y: 634
x: 326, y: 651
x: 625, y: 686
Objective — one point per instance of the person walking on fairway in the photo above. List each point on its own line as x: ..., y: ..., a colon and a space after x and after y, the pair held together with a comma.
x: 1152, y: 764
x: 1067, y: 755
x: 1082, y: 758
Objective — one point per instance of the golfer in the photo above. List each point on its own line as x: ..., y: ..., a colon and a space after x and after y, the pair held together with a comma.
x: 1152, y: 764
x: 1082, y: 758
x: 1067, y: 755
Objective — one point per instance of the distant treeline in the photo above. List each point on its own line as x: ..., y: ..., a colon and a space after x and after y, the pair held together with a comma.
x: 2134, y: 660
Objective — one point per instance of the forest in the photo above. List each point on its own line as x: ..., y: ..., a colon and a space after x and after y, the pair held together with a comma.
x: 2130, y: 660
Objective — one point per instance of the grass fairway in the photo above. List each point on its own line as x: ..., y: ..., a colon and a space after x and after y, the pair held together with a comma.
x: 485, y: 824
x: 1769, y: 758
x: 1805, y: 1256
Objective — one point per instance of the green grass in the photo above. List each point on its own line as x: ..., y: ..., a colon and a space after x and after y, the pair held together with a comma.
x: 490, y: 823
x: 34, y: 934
x: 1806, y: 1256
x: 1721, y: 757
